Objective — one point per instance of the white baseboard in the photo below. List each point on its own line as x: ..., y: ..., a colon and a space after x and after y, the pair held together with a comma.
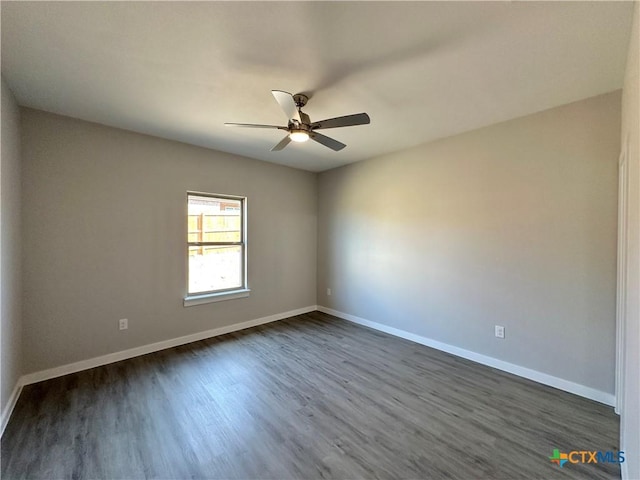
x: 8, y: 409
x: 154, y: 347
x: 536, y: 376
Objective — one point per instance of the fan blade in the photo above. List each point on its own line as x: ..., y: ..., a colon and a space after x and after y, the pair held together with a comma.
x: 285, y: 99
x: 346, y: 121
x: 253, y: 125
x: 283, y: 143
x: 327, y: 141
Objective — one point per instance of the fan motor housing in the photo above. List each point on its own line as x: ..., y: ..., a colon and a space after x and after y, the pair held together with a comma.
x: 304, y: 127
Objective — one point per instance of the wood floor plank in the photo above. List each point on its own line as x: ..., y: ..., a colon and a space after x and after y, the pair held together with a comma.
x: 304, y: 398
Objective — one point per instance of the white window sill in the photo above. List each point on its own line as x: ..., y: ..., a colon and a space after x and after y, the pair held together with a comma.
x: 215, y: 297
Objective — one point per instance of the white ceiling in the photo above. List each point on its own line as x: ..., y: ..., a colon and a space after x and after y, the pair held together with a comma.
x: 420, y: 70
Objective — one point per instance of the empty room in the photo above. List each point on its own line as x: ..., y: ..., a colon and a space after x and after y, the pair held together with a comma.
x: 303, y: 240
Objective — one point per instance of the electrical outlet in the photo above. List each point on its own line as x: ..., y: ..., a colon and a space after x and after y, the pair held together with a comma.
x: 123, y: 324
x: 499, y: 331
x: 328, y: 291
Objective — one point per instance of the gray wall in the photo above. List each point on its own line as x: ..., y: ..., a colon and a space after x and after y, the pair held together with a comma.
x: 630, y: 414
x: 104, y: 238
x: 10, y: 270
x: 513, y: 224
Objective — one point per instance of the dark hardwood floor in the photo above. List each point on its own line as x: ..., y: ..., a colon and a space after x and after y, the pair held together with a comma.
x: 307, y: 397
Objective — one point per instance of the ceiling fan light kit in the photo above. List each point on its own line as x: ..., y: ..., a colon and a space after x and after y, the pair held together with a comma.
x: 299, y: 136
x: 300, y: 128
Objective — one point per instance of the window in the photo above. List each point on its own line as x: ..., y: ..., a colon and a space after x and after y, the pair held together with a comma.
x: 217, y: 249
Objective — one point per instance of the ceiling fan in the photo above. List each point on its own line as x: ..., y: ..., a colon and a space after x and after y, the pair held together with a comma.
x: 300, y: 128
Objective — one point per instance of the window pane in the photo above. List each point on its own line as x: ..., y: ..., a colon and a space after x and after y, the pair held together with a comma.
x: 214, y: 219
x: 214, y: 268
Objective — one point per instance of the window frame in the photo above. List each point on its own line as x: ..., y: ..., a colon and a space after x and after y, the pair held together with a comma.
x: 243, y: 290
